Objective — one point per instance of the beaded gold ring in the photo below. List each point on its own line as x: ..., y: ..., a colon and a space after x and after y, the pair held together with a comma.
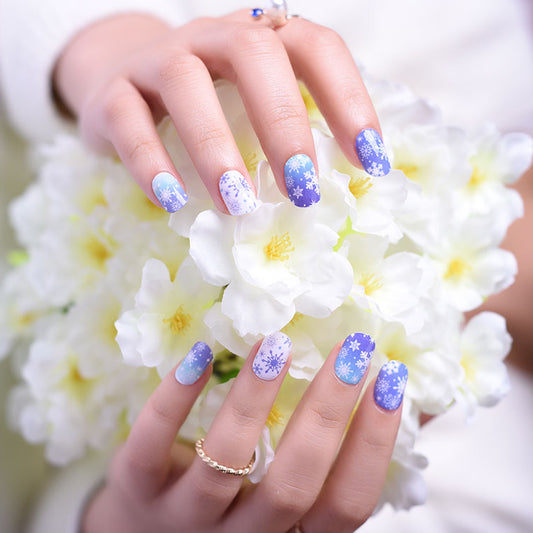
x: 239, y: 472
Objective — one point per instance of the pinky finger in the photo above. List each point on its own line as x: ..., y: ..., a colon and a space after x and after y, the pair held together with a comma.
x: 121, y: 116
x: 356, y: 480
x: 145, y: 458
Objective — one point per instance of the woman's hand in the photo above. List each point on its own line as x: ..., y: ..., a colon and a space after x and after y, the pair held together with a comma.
x: 317, y: 479
x: 121, y: 75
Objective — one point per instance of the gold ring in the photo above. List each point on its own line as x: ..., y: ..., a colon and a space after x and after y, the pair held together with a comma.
x: 239, y: 472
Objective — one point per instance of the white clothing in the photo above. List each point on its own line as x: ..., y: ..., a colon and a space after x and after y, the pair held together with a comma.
x: 475, y: 59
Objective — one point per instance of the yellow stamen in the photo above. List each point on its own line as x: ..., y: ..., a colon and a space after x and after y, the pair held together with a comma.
x: 360, y: 186
x: 469, y: 369
x: 410, y: 170
x: 457, y: 268
x: 275, y: 418
x: 476, y: 179
x: 371, y: 283
x: 179, y: 321
x: 251, y: 161
x: 99, y: 251
x: 279, y: 248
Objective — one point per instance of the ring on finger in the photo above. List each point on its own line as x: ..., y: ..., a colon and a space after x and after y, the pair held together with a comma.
x: 276, y: 12
x: 239, y: 472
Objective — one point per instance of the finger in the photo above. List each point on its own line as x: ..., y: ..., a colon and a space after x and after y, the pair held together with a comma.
x: 188, y: 94
x: 345, y: 104
x: 353, y: 488
x: 122, y: 117
x: 205, y: 492
x: 145, y: 458
x: 252, y: 55
x: 310, y: 442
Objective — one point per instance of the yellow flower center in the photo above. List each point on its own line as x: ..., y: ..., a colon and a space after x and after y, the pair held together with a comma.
x: 360, y: 186
x: 279, y: 248
x: 99, y: 250
x: 74, y: 383
x: 410, y: 170
x: 251, y: 161
x: 476, y: 179
x: 469, y: 369
x: 371, y: 283
x: 457, y: 268
x: 275, y: 418
x: 179, y: 321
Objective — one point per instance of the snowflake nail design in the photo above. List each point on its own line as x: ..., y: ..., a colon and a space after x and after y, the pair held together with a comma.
x: 237, y: 193
x: 169, y: 192
x: 194, y: 364
x: 302, y: 181
x: 354, y: 357
x: 371, y: 152
x: 272, y: 356
x: 390, y: 385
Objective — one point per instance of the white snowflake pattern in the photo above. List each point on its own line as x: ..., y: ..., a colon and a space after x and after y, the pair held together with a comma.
x: 400, y: 385
x: 343, y: 353
x: 392, y: 367
x: 376, y: 169
x: 382, y: 386
x: 343, y: 370
x: 365, y: 151
x: 298, y: 192
x: 295, y: 163
x: 355, y: 345
x: 166, y: 195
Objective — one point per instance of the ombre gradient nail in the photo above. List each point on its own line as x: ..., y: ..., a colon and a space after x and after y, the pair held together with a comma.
x: 194, y: 364
x: 354, y: 357
x: 237, y: 193
x: 301, y: 181
x: 169, y: 192
x: 390, y: 385
x: 371, y: 152
x: 272, y: 356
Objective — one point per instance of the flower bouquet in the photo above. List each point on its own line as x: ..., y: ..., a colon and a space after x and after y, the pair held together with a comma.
x: 109, y: 292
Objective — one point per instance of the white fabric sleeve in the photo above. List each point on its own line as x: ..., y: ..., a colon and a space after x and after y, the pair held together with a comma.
x: 32, y: 35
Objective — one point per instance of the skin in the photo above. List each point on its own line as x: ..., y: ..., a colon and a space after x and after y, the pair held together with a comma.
x: 118, y: 90
x: 157, y: 484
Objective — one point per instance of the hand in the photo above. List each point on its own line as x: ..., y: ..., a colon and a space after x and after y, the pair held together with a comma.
x: 123, y: 74
x: 156, y: 484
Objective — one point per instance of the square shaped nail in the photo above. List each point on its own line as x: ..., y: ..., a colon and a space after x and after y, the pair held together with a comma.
x: 354, y: 357
x: 301, y: 181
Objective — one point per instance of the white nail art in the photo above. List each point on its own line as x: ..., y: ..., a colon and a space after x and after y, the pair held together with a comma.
x: 237, y: 193
x: 272, y: 356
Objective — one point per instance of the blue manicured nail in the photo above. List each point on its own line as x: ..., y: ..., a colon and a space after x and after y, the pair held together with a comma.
x: 194, y: 364
x: 169, y: 192
x: 371, y: 152
x: 272, y: 356
x: 354, y: 357
x: 237, y: 193
x: 302, y: 181
x: 390, y: 385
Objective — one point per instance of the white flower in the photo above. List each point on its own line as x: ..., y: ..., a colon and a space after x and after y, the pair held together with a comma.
x: 167, y: 319
x: 485, y: 343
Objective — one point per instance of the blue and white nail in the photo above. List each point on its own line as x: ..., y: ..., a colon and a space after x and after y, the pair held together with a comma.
x: 354, y: 357
x: 390, y: 385
x: 194, y: 364
x: 272, y: 356
x: 371, y: 152
x: 302, y: 181
x: 237, y: 193
x: 169, y: 192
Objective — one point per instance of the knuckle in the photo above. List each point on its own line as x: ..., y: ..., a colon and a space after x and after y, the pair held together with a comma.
x: 173, y: 66
x: 162, y: 412
x: 347, y: 514
x: 288, y: 499
x: 286, y: 115
x: 378, y: 445
x: 209, y: 135
x: 139, y: 147
x: 212, y: 488
x: 321, y: 37
x: 253, y: 40
x: 244, y: 416
x: 114, y: 105
x: 327, y: 416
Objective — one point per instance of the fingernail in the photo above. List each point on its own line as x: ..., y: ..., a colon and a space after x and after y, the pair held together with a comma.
x: 272, y: 356
x: 237, y: 193
x: 301, y: 181
x: 169, y: 192
x: 354, y: 357
x: 194, y: 364
x: 390, y: 385
x: 371, y: 152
